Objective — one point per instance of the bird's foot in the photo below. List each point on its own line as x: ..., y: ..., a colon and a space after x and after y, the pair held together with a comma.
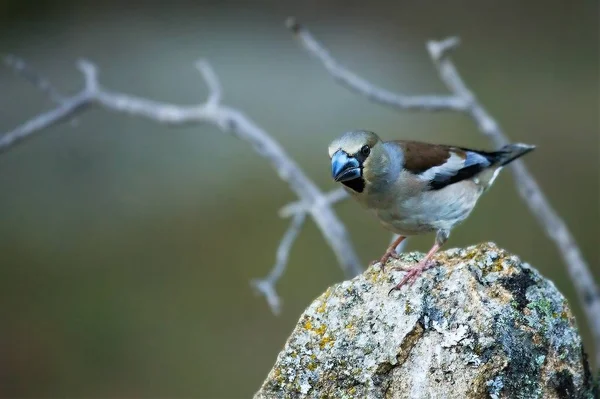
x: 386, y: 256
x: 412, y: 273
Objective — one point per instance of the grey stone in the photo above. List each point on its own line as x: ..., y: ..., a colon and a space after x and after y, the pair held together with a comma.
x: 483, y: 324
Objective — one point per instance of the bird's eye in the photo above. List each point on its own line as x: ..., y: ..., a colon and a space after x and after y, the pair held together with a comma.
x: 365, y: 150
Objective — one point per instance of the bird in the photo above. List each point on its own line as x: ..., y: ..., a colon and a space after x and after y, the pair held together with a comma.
x: 415, y: 187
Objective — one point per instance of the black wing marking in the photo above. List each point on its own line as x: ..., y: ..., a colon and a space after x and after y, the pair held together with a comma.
x: 461, y: 165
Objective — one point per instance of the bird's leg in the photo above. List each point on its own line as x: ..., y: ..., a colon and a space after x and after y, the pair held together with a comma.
x: 415, y: 271
x: 390, y: 252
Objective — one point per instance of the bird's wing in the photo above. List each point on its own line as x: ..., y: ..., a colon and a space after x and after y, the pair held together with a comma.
x: 442, y: 165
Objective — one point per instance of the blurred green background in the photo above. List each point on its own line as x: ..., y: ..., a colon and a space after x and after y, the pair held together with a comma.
x: 127, y: 247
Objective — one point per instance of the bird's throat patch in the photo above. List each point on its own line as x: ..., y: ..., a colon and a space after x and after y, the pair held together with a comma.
x: 357, y: 184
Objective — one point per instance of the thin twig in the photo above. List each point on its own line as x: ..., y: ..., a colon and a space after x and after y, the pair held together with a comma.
x: 24, y: 70
x: 332, y: 197
x: 227, y: 119
x: 212, y: 81
x: 66, y: 109
x: 266, y: 285
x: 463, y: 100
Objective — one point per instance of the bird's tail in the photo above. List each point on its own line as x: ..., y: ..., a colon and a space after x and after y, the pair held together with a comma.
x: 510, y: 152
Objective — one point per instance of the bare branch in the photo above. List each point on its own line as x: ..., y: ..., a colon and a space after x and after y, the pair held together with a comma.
x: 266, y: 286
x: 227, y: 119
x: 463, y: 100
x: 331, y: 198
x: 363, y: 87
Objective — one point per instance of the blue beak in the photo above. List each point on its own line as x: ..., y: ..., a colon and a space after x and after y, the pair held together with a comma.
x: 343, y: 167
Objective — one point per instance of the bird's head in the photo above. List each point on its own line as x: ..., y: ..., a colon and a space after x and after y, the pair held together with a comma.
x: 356, y: 158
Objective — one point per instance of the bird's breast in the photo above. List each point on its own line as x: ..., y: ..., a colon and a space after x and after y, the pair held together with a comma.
x: 428, y: 211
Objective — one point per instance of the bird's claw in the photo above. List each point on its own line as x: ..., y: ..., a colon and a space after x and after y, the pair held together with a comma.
x: 412, y: 274
x: 388, y: 254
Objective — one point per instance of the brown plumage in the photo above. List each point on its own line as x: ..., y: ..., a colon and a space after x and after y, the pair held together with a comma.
x: 419, y: 157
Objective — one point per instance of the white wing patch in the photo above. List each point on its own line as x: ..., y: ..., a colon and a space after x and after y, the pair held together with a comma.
x: 494, y: 176
x: 449, y: 168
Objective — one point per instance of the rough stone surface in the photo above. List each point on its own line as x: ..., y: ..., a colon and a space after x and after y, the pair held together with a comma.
x: 481, y: 325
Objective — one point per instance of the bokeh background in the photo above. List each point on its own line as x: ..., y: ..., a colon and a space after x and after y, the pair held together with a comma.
x: 127, y: 247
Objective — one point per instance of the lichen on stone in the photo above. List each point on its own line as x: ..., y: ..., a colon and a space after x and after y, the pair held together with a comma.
x: 483, y: 324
